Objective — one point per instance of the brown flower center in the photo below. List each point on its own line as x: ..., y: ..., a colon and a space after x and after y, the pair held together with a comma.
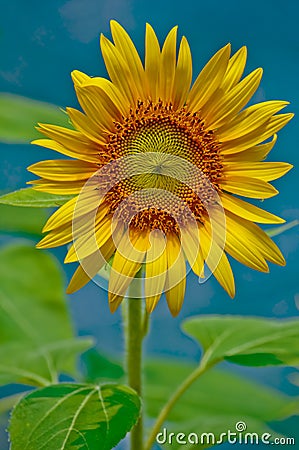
x: 181, y: 166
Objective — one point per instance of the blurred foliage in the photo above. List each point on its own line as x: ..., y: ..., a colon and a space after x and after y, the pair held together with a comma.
x: 245, y: 340
x: 79, y: 416
x: 293, y: 378
x: 18, y: 220
x: 37, y: 344
x: 214, y: 403
x: 282, y: 228
x: 36, y: 335
x: 8, y: 402
x: 97, y: 367
x: 19, y: 116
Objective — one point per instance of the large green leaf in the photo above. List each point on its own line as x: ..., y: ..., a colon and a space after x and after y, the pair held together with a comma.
x: 36, y: 335
x: 20, y: 220
x: 34, y: 199
x: 215, y: 403
x: 20, y: 115
x: 74, y: 416
x: 251, y: 341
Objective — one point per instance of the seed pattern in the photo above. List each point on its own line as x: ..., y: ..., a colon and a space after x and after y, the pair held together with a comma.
x: 162, y: 132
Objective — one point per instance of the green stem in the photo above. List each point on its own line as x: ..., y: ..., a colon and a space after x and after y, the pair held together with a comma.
x: 134, y: 337
x: 171, y: 402
x: 145, y: 324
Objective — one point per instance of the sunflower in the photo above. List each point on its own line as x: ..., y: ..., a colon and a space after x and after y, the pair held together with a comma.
x: 157, y: 165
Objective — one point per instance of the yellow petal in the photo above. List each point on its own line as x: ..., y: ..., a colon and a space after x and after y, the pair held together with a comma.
x: 99, y: 107
x: 233, y: 101
x: 60, y: 236
x: 209, y: 79
x: 90, y: 266
x: 256, y: 153
x: 156, y: 268
x: 259, y: 135
x: 96, y: 94
x: 257, y: 240
x: 85, y: 152
x: 183, y: 75
x: 78, y: 280
x: 81, y: 206
x: 247, y: 210
x: 66, y: 232
x: 81, y: 122
x: 176, y: 275
x: 61, y: 216
x: 248, y: 187
x: 128, y: 51
x: 127, y: 261
x: 266, y: 171
x: 73, y: 140
x: 58, y: 187
x: 63, y: 170
x: 217, y: 262
x: 80, y: 77
x: 90, y: 238
x: 152, y: 61
x: 235, y: 69
x: 168, y: 63
x: 191, y: 245
x: 65, y: 136
x: 238, y: 246
x: 249, y: 120
x: 118, y: 70
x: 103, y: 88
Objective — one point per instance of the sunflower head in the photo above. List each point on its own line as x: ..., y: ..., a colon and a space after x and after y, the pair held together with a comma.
x: 157, y: 166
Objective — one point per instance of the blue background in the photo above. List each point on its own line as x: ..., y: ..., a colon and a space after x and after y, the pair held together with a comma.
x: 42, y: 42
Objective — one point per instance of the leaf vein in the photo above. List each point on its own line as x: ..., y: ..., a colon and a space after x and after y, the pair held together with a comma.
x: 60, y: 402
x: 76, y: 415
x: 105, y: 412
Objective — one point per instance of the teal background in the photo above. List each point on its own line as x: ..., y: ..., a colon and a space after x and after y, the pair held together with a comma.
x: 42, y: 42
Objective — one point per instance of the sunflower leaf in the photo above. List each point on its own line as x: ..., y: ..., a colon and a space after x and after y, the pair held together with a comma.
x: 249, y: 341
x: 74, y: 416
x: 215, y: 403
x: 20, y: 115
x: 30, y: 198
x: 36, y: 335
